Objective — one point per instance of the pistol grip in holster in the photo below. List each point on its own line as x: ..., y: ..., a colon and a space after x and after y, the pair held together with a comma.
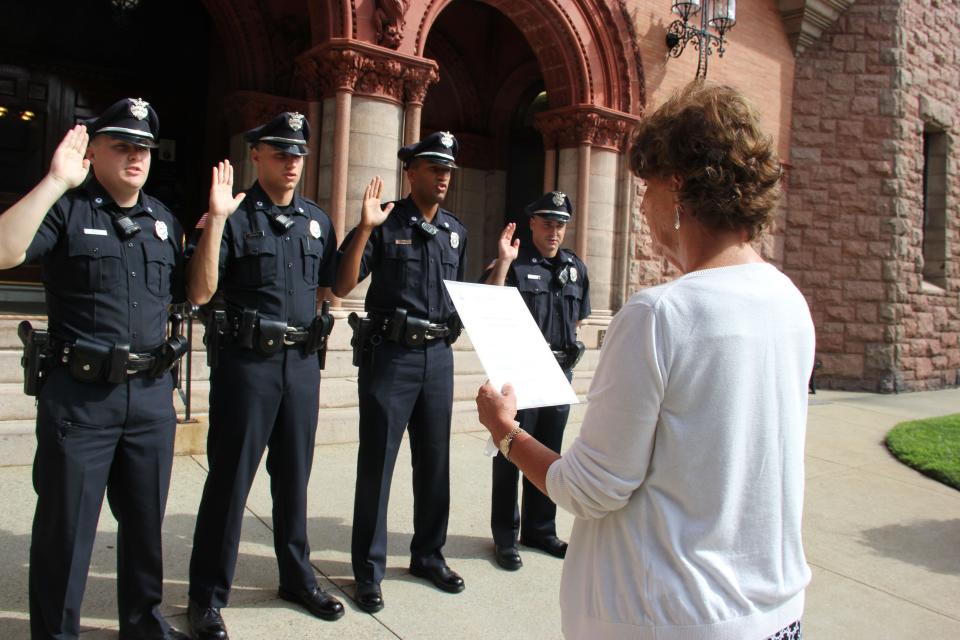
x: 574, y: 354
x: 34, y: 360
x: 168, y: 354
x: 362, y: 330
x: 319, y: 335
x: 454, y: 328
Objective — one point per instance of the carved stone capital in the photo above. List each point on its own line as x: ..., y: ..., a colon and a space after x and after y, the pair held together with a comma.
x: 416, y: 81
x: 584, y: 125
x: 342, y: 64
x: 245, y: 110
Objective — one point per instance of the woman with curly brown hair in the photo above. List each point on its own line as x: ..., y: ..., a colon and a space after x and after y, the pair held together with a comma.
x: 687, y: 476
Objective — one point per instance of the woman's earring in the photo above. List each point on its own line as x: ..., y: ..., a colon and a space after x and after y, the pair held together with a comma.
x: 676, y: 222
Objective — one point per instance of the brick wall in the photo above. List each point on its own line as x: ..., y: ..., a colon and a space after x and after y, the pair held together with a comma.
x: 758, y: 61
x: 854, y: 233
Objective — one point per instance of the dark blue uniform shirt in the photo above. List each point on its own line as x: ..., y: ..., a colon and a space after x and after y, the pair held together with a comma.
x: 409, y: 267
x: 273, y: 271
x: 102, y: 287
x: 556, y: 308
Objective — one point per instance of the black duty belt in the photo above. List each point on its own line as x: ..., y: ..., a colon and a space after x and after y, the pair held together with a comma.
x: 408, y: 329
x: 64, y: 352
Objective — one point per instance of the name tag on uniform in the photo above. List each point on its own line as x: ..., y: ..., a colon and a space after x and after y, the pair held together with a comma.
x: 95, y: 232
x: 407, y: 241
x: 533, y: 276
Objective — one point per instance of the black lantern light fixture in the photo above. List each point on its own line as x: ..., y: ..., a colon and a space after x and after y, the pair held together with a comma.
x: 716, y: 18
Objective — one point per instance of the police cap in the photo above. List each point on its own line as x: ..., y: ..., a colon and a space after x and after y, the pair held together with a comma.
x: 132, y: 120
x: 439, y: 147
x: 288, y: 132
x: 553, y: 205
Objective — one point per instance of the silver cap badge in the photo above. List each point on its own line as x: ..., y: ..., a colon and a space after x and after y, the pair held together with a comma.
x: 446, y: 139
x: 138, y: 107
x: 558, y: 198
x: 295, y: 120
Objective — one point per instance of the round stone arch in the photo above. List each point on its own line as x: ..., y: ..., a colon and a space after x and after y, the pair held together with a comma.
x: 608, y: 73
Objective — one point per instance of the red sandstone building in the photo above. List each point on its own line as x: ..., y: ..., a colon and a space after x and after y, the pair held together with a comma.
x: 861, y: 98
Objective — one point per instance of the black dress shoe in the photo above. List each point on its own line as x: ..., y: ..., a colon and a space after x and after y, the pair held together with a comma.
x: 442, y: 577
x: 508, y: 558
x: 323, y: 605
x: 551, y: 544
x: 369, y: 597
x: 206, y: 623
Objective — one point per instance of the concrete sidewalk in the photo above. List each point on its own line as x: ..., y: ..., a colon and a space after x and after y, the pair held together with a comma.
x: 883, y: 542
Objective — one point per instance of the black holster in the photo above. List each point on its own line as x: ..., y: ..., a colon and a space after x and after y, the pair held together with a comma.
x: 36, y: 345
x: 362, y: 332
x: 168, y: 354
x: 319, y: 333
x: 455, y: 327
x: 214, y: 334
x: 573, y: 355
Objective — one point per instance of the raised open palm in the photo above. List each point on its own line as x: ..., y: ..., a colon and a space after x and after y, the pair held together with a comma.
x: 69, y: 164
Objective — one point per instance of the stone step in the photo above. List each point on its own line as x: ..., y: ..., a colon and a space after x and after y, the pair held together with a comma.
x: 18, y: 441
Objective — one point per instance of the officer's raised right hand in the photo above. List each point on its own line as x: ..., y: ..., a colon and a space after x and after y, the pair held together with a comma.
x: 372, y: 215
x: 222, y: 201
x: 507, y: 248
x: 69, y: 165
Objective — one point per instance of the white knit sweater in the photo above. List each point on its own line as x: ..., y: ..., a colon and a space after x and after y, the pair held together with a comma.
x: 687, y: 476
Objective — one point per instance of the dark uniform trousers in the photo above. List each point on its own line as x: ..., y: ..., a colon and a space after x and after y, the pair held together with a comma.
x: 401, y: 386
x: 91, y: 436
x: 537, y: 517
x: 256, y: 402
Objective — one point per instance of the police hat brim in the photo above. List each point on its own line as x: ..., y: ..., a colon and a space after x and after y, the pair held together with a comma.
x: 138, y: 141
x: 292, y: 149
x: 432, y: 160
x: 559, y: 216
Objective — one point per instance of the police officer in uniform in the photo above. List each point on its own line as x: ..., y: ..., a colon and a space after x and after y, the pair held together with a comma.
x: 406, y: 364
x: 111, y: 258
x: 553, y: 283
x: 268, y: 252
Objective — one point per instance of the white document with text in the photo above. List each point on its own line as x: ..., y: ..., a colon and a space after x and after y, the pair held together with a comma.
x: 510, y: 345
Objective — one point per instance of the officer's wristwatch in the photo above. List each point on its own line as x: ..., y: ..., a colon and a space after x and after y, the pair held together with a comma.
x: 507, y: 442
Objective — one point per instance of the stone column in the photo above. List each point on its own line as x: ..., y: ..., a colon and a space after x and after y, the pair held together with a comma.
x: 416, y: 81
x: 363, y: 88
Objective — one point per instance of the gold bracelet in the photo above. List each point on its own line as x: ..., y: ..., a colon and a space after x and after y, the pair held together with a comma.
x: 507, y: 443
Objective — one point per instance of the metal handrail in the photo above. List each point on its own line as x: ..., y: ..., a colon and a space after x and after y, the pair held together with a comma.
x: 184, y: 371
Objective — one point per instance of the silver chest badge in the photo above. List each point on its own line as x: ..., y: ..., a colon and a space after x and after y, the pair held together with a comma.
x: 315, y: 228
x: 138, y: 107
x: 573, y: 274
x: 558, y: 198
x: 295, y: 120
x: 454, y: 239
x: 160, y: 228
x: 446, y: 139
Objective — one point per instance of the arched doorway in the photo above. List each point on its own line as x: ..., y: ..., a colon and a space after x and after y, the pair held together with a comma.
x: 581, y: 59
x: 489, y: 81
